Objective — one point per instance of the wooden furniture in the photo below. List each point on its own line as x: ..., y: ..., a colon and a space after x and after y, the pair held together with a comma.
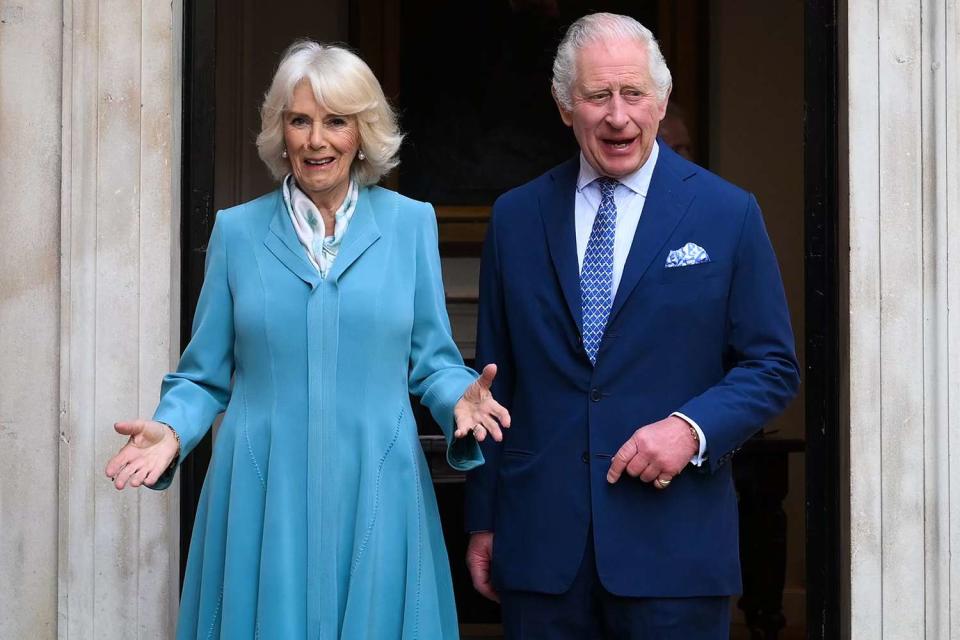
x: 761, y: 476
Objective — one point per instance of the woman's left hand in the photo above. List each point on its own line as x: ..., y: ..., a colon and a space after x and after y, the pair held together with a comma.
x: 478, y: 413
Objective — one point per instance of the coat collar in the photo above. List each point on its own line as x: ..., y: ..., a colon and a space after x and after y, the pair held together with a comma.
x: 283, y: 243
x: 556, y: 210
x: 360, y: 235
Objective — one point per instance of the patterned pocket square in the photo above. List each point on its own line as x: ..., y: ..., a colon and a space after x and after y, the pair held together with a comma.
x: 687, y: 255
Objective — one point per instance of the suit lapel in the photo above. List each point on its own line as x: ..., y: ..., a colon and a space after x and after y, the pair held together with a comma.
x: 556, y: 209
x: 282, y: 241
x: 362, y: 232
x: 668, y: 199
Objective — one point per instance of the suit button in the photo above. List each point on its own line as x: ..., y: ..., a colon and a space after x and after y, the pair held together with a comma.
x: 585, y: 457
x: 595, y: 395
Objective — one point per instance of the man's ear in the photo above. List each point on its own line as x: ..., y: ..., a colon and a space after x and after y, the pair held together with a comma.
x: 664, y: 103
x: 565, y: 115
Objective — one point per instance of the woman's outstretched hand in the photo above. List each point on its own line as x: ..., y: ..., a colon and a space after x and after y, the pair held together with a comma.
x: 478, y: 413
x: 148, y: 453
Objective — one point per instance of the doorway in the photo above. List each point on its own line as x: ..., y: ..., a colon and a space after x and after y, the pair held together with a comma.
x: 768, y: 125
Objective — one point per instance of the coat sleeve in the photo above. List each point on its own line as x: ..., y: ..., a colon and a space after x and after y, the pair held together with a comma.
x: 193, y: 396
x: 493, y: 346
x: 762, y: 375
x: 437, y: 374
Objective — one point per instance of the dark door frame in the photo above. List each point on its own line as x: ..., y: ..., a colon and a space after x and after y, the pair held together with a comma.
x: 196, y: 192
x: 822, y: 283
x: 821, y: 224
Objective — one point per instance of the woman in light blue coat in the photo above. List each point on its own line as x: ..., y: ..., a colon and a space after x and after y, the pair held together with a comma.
x: 322, y: 309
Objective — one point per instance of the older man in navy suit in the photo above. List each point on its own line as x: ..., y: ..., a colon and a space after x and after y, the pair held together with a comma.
x: 635, y: 308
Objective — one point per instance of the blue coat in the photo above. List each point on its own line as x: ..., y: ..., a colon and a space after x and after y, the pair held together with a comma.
x: 712, y: 341
x: 317, y: 517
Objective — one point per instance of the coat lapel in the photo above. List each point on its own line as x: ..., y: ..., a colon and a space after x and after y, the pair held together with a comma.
x: 668, y: 199
x: 556, y: 209
x: 362, y: 232
x: 282, y: 241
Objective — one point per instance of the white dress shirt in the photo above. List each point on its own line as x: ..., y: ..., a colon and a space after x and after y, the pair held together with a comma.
x: 629, y: 195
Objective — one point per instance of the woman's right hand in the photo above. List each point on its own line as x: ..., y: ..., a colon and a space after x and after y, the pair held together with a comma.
x: 148, y: 453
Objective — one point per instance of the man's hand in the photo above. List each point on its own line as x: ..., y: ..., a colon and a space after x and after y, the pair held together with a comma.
x: 479, y: 555
x: 657, y: 451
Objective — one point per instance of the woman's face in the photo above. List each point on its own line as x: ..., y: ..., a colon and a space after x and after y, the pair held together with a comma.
x: 321, y: 147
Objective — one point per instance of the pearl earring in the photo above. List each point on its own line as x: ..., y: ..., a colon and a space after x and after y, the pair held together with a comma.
x: 361, y: 155
x: 284, y: 154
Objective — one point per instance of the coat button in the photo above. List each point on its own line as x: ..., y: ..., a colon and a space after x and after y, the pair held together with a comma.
x: 595, y: 395
x: 585, y: 457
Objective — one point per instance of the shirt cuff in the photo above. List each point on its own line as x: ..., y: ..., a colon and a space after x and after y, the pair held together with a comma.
x: 701, y: 456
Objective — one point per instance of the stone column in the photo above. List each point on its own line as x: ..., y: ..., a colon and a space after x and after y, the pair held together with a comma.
x: 118, y: 560
x: 30, y: 34
x: 901, y: 120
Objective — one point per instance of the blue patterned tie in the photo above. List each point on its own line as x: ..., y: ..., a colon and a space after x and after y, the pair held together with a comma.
x: 596, y: 275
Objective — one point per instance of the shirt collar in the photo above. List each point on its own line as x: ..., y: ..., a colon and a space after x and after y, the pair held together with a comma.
x: 638, y: 181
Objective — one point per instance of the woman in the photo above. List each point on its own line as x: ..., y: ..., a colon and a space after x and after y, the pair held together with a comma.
x: 322, y: 309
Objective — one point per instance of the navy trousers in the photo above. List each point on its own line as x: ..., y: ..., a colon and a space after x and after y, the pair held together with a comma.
x: 587, y: 611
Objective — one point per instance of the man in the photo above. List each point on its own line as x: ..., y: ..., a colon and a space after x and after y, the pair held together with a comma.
x: 635, y: 308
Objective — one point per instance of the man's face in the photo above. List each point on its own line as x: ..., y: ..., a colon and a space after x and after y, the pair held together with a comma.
x: 616, y: 111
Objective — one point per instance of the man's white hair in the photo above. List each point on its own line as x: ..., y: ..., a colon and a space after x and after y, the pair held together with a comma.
x: 605, y: 27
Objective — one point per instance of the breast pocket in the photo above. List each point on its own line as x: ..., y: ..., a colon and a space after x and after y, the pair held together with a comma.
x: 700, y: 286
x: 692, y: 273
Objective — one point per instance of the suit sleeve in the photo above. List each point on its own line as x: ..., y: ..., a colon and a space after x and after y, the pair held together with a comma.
x: 762, y: 375
x: 493, y: 346
x: 193, y: 396
x: 437, y: 374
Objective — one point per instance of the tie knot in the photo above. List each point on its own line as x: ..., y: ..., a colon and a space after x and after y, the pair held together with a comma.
x: 607, y: 186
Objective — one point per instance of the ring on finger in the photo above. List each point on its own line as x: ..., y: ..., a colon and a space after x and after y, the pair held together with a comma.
x: 661, y: 483
x: 478, y: 430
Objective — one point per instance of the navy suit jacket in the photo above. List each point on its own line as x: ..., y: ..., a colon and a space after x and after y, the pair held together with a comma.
x: 712, y: 341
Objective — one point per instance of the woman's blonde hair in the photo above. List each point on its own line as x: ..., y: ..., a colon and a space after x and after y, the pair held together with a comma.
x: 343, y: 84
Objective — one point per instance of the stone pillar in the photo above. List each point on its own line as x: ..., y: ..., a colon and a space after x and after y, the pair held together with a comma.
x: 118, y: 560
x: 30, y: 35
x: 89, y: 258
x: 901, y: 119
